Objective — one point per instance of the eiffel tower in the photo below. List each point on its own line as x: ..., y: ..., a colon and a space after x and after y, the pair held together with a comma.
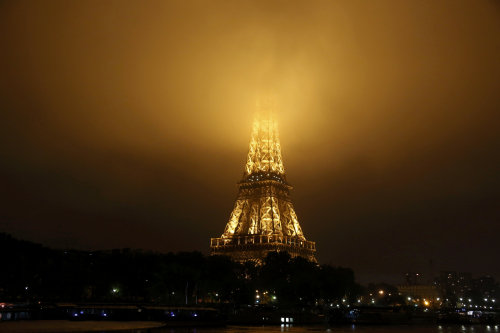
x: 263, y: 218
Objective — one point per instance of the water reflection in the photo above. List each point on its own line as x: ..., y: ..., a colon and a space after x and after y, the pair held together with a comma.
x: 342, y: 329
x: 63, y: 326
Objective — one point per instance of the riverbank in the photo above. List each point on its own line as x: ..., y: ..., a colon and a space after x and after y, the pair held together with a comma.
x: 66, y: 326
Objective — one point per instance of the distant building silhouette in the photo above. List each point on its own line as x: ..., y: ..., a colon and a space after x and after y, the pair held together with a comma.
x: 455, y: 284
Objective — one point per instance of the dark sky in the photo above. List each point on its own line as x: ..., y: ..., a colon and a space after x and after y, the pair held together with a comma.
x: 126, y: 124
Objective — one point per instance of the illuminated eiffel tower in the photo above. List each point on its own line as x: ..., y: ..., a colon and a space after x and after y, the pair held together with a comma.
x: 263, y: 218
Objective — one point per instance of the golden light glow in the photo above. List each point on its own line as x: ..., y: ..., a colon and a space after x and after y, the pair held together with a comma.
x: 263, y: 212
x: 271, y: 213
x: 264, y: 153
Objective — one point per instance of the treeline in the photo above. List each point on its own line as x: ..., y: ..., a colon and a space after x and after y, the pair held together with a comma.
x: 30, y: 272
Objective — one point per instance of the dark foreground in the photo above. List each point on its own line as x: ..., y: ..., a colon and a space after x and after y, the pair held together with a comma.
x: 66, y: 326
x: 63, y: 326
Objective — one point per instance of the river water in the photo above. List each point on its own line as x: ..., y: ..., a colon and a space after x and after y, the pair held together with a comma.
x: 125, y: 327
x: 342, y: 329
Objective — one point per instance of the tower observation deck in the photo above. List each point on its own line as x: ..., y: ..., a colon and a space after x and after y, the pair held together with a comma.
x: 263, y: 218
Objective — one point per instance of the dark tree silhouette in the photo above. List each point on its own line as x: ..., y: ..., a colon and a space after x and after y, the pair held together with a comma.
x: 31, y: 272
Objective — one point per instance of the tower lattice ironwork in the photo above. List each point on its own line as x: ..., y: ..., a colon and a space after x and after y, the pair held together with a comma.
x: 263, y: 218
